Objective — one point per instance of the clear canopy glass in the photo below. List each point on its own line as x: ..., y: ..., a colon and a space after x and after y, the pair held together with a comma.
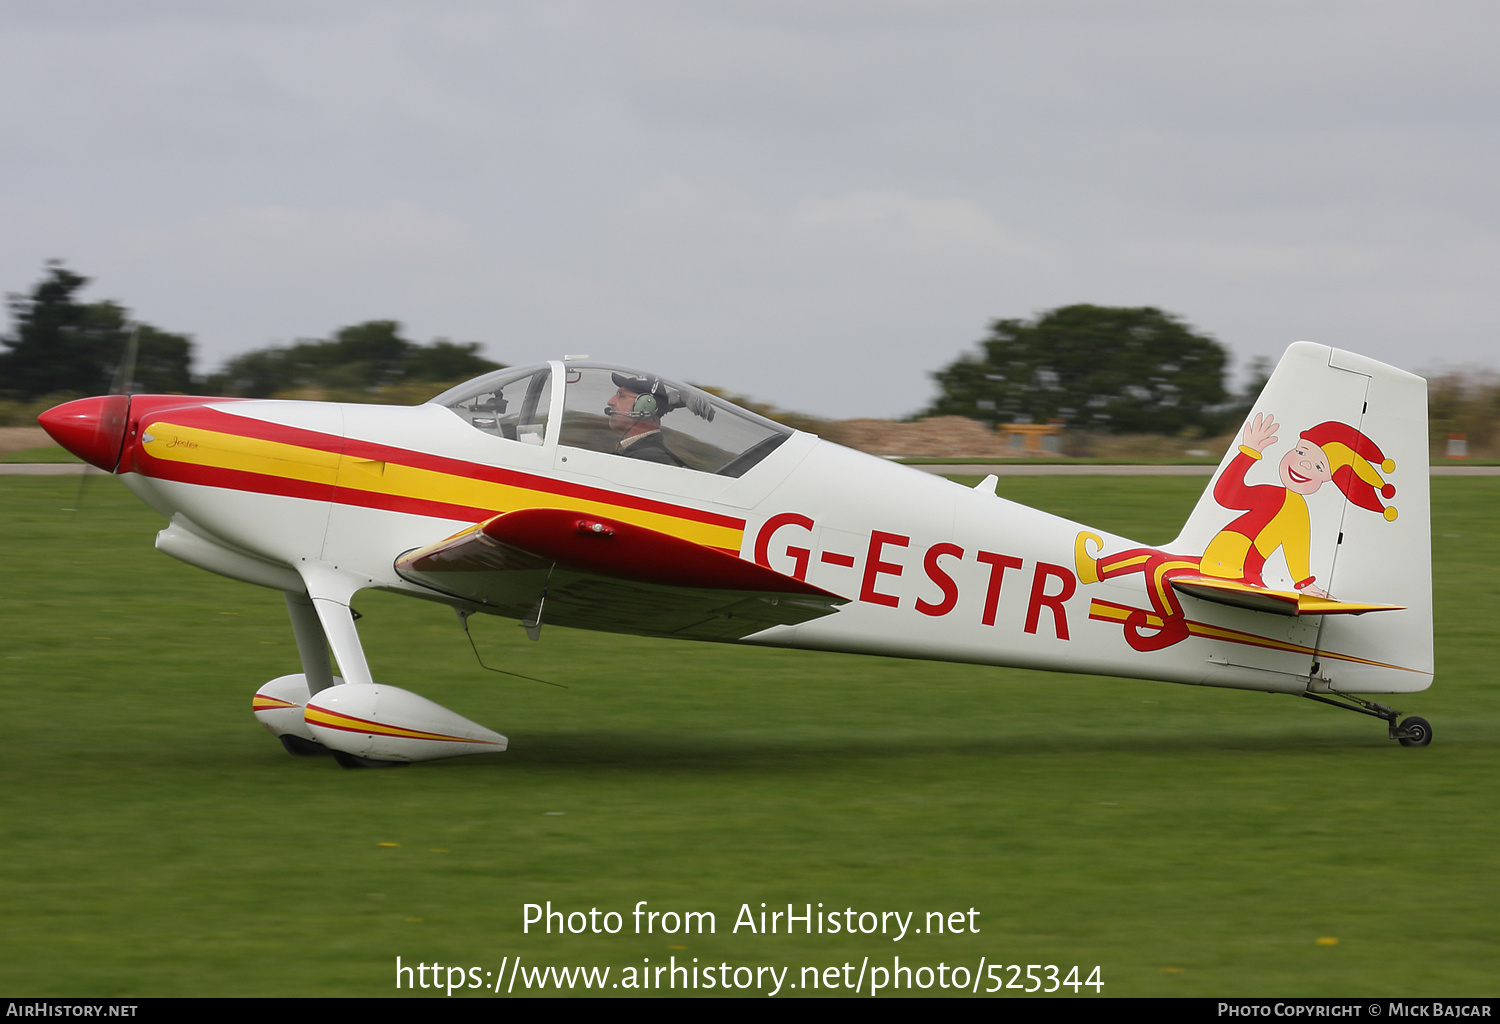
x: 514, y: 403
x: 620, y: 411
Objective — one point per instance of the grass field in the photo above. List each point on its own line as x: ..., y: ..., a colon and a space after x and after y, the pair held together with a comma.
x: 52, y: 454
x: 157, y: 842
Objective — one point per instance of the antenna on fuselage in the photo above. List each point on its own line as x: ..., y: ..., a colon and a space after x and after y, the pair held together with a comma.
x: 463, y: 620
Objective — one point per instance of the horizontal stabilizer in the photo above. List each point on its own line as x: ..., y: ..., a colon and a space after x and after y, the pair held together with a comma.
x: 1263, y: 599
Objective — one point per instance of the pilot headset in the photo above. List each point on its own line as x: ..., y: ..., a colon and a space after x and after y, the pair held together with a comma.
x: 647, y: 406
x: 651, y: 397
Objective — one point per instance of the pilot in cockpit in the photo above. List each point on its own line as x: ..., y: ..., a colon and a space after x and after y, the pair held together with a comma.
x: 614, y: 411
x: 635, y: 411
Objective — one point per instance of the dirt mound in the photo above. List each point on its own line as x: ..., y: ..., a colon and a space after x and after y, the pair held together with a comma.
x: 19, y: 439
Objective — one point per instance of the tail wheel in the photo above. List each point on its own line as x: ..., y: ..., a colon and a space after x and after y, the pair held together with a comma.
x: 1415, y: 732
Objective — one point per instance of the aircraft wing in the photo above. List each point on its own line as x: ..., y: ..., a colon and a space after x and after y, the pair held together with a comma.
x: 1264, y: 599
x: 577, y: 569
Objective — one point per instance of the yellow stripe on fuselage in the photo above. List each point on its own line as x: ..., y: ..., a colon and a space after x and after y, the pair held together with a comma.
x: 402, y: 481
x: 274, y: 458
x: 174, y: 443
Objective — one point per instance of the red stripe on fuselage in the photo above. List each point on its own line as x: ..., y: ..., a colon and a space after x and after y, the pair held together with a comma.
x: 218, y: 420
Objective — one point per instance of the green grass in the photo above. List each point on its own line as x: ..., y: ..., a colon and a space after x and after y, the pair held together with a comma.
x: 49, y: 454
x: 1190, y: 841
x: 1130, y: 460
x: 1054, y: 460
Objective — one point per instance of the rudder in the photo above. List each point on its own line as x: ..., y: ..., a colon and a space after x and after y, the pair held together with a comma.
x: 1349, y: 516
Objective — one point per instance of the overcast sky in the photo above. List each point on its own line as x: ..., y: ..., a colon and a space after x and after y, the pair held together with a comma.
x: 813, y: 203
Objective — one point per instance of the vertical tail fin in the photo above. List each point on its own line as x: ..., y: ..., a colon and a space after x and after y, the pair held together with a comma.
x: 1326, y: 491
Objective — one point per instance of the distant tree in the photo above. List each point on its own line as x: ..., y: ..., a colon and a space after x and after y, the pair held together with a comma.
x: 1113, y: 369
x: 1464, y: 402
x: 257, y: 374
x: 1238, y: 407
x: 446, y: 361
x: 61, y: 344
x: 370, y: 354
x: 361, y: 359
x: 56, y: 345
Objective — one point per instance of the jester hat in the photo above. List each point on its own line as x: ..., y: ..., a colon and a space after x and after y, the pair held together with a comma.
x: 1353, y: 457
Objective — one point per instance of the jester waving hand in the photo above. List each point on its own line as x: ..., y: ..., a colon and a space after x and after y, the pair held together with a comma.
x: 1273, y: 517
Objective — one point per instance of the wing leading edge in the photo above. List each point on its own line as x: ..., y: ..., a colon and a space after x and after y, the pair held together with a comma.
x: 593, y: 572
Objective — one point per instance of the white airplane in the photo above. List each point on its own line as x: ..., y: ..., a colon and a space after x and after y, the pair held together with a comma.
x: 580, y: 494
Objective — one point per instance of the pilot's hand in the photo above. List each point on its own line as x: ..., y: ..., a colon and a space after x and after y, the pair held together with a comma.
x: 701, y: 406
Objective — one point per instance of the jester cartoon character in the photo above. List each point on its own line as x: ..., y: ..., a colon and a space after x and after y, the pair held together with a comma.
x: 1273, y: 517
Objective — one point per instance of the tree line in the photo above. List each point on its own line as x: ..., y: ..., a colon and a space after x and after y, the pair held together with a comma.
x: 59, y: 344
x: 1103, y: 369
x: 1468, y: 404
x: 1091, y: 368
x: 1142, y: 371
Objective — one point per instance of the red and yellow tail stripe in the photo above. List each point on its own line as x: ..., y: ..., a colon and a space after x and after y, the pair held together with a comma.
x: 1108, y: 611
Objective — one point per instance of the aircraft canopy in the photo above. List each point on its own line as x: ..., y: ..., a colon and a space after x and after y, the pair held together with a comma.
x: 699, y: 430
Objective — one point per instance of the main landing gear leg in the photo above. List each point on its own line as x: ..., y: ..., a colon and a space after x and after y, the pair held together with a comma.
x: 317, y: 671
x: 1413, y: 732
x: 312, y: 642
x: 280, y: 703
